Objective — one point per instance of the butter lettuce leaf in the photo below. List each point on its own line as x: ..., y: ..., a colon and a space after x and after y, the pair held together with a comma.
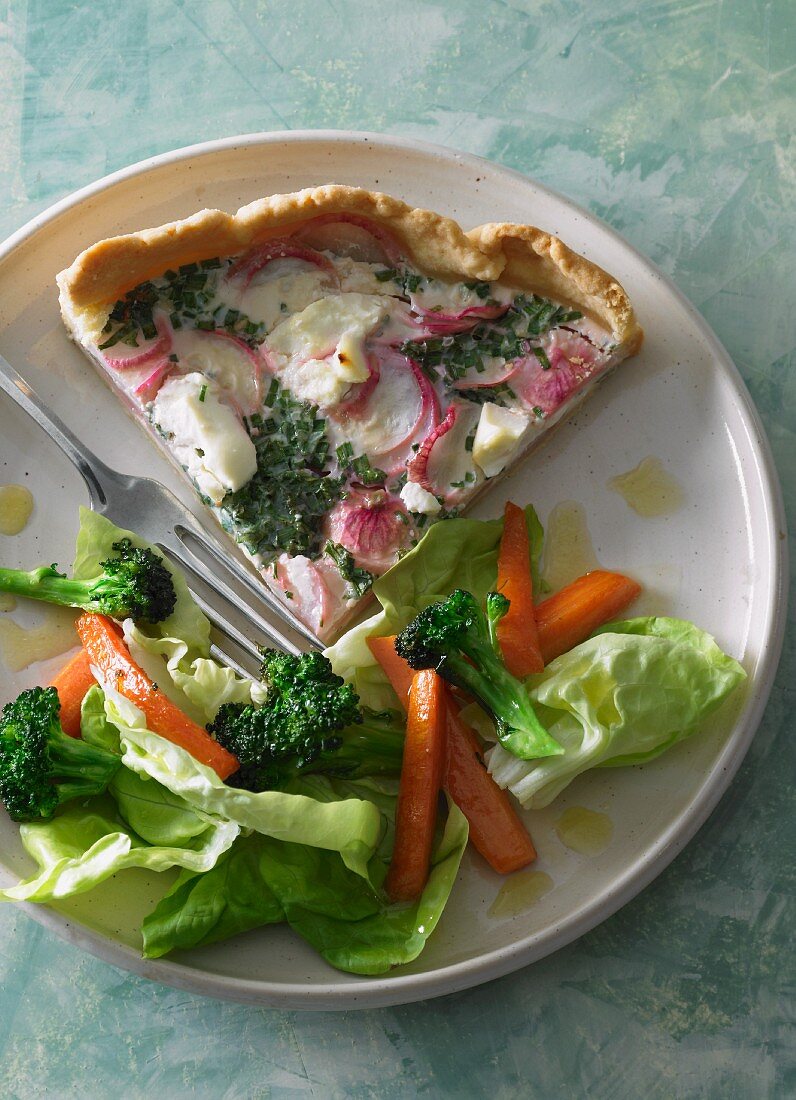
x: 231, y: 898
x: 343, y: 916
x: 623, y: 697
x: 84, y: 845
x: 392, y: 936
x: 351, y: 826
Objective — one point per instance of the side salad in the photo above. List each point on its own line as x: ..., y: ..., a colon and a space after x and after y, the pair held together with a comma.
x: 337, y: 792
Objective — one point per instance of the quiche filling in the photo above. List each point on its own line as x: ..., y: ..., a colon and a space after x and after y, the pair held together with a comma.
x: 328, y: 401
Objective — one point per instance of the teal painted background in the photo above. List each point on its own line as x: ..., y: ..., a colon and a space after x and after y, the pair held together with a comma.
x: 671, y: 120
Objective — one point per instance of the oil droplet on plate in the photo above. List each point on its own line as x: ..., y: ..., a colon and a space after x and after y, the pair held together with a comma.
x: 585, y: 831
x: 16, y: 504
x: 7, y: 601
x: 568, y: 550
x: 649, y: 489
x: 22, y: 646
x: 519, y: 893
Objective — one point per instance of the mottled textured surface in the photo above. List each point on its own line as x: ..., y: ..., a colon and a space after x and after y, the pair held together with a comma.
x: 671, y: 120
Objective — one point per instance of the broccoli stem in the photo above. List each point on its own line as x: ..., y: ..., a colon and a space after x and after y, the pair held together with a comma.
x: 372, y: 748
x: 493, y: 686
x: 47, y: 584
x: 80, y: 769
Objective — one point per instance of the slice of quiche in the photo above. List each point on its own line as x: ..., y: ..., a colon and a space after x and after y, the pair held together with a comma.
x: 335, y: 370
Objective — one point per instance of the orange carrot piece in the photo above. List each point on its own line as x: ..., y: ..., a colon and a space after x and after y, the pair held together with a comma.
x: 103, y: 642
x: 516, y: 631
x: 418, y: 793
x: 495, y: 829
x: 573, y: 614
x: 72, y: 683
x: 398, y: 672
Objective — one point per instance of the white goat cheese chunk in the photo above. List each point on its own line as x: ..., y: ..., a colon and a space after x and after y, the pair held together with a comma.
x: 497, y: 437
x: 205, y: 435
x: 419, y: 500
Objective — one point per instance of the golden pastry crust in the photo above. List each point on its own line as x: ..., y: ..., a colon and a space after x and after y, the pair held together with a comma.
x: 517, y: 255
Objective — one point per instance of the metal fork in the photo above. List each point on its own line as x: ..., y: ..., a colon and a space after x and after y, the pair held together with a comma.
x: 155, y: 514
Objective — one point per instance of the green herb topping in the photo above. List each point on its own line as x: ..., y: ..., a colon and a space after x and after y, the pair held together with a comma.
x: 187, y: 295
x: 464, y: 354
x: 359, y: 467
x: 358, y: 580
x: 283, y: 507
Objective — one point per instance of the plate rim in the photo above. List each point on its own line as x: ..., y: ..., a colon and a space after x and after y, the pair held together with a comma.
x: 402, y: 989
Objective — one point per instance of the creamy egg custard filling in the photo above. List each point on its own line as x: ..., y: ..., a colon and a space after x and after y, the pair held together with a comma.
x: 329, y: 400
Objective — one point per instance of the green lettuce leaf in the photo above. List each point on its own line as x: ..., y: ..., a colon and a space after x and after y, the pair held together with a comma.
x: 95, y: 543
x: 94, y: 725
x: 86, y: 844
x: 623, y: 697
x: 230, y: 898
x: 351, y: 827
x: 459, y: 553
x: 387, y: 938
x: 199, y: 684
x: 262, y: 880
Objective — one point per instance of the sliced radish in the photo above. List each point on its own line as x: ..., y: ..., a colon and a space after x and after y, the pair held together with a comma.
x: 282, y: 248
x: 229, y: 360
x: 393, y: 411
x: 127, y: 358
x: 372, y: 525
x: 394, y: 461
x: 573, y: 360
x: 443, y: 465
x: 433, y: 322
x: 148, y: 388
x: 351, y: 235
x: 305, y: 590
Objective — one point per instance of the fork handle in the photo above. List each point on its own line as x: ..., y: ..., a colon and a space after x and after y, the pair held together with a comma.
x: 82, y: 458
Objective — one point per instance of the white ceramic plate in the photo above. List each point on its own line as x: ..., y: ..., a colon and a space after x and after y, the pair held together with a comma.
x: 717, y: 561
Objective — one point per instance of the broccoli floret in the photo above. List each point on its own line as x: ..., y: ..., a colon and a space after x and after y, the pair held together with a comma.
x: 134, y: 584
x: 40, y: 766
x: 457, y: 638
x: 311, y: 722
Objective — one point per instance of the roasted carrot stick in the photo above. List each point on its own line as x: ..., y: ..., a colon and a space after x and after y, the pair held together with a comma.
x: 72, y: 683
x: 418, y: 793
x: 397, y: 670
x: 495, y: 829
x: 106, y: 649
x: 516, y: 631
x: 571, y: 615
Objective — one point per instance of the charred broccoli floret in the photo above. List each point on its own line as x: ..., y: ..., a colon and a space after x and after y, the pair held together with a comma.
x: 135, y: 584
x: 310, y: 722
x: 457, y: 638
x: 40, y: 766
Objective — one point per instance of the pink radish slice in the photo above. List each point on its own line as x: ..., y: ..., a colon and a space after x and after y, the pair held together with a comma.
x: 496, y: 374
x: 309, y: 596
x: 437, y: 323
x: 282, y: 248
x: 372, y: 525
x: 394, y: 461
x: 229, y: 360
x: 125, y: 358
x: 443, y: 459
x: 351, y: 235
x: 148, y: 388
x: 572, y: 362
x: 393, y: 412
